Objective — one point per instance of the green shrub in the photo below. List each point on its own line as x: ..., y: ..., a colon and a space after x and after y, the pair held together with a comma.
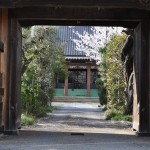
x: 101, y: 91
x: 115, y: 81
x: 38, y: 110
x: 41, y: 112
x: 27, y: 120
x: 118, y: 117
x: 42, y: 97
x: 128, y: 118
x: 49, y: 108
x: 113, y: 114
x: 51, y: 93
x: 122, y: 118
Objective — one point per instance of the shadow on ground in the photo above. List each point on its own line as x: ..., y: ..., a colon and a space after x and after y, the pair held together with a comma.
x: 44, y: 140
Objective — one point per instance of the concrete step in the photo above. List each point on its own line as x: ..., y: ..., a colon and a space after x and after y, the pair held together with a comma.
x: 75, y: 99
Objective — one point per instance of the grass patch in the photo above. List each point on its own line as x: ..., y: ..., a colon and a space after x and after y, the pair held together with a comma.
x: 27, y: 120
x: 37, y: 113
x: 113, y: 114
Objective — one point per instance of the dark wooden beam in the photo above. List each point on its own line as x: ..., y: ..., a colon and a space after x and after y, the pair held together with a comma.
x: 63, y: 13
x: 125, y: 24
x: 141, y: 4
x: 6, y: 3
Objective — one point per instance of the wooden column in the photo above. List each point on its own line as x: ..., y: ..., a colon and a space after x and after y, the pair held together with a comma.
x: 66, y: 86
x: 14, y: 76
x: 10, y: 68
x: 141, y: 104
x: 1, y: 80
x: 4, y: 67
x: 88, y: 79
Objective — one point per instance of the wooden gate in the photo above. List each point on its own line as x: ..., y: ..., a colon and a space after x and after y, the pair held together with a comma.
x: 97, y: 12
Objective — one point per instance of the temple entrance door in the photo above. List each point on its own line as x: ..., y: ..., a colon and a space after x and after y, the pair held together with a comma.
x: 77, y: 83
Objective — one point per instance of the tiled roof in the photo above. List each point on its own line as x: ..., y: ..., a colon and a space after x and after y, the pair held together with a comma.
x: 66, y: 34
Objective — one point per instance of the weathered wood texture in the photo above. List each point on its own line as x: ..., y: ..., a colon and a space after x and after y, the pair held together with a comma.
x: 141, y: 4
x: 18, y: 75
x: 4, y: 66
x: 79, y: 16
x: 11, y: 72
x: 142, y: 70
x: 15, y: 76
x: 125, y: 24
x: 144, y: 93
x: 74, y: 13
x: 1, y: 102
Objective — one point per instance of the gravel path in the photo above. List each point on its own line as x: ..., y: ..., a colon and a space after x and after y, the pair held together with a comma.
x: 79, y: 117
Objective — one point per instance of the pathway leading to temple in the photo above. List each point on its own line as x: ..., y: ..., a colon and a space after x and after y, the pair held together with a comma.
x: 82, y: 117
x: 75, y: 126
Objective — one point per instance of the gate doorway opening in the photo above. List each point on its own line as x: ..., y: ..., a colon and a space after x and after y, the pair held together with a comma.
x: 72, y: 114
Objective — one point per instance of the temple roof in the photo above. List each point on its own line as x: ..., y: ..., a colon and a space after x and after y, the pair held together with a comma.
x: 66, y: 35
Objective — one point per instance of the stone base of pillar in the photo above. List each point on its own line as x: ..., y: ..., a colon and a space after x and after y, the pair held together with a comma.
x: 11, y: 132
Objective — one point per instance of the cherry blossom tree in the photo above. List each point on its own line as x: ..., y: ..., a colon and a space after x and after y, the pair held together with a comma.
x: 91, y: 44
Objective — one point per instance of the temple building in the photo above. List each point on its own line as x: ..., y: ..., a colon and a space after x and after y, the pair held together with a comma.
x: 82, y: 70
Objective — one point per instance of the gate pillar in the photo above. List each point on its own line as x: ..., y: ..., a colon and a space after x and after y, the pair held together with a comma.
x: 10, y: 66
x: 5, y: 67
x: 141, y: 103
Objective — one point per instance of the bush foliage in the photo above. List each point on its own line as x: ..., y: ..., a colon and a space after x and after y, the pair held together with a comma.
x: 101, y: 91
x: 113, y: 114
x: 111, y: 83
x: 27, y: 120
x: 115, y: 82
x: 43, y: 63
